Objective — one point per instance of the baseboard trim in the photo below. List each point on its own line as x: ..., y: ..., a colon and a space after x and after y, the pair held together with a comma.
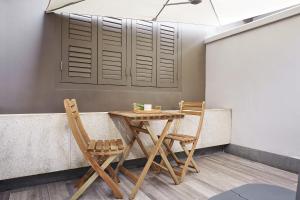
x: 298, y: 188
x: 271, y: 159
x: 27, y: 181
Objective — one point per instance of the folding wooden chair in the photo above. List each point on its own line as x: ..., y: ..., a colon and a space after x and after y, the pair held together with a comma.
x: 187, y: 108
x: 99, y: 154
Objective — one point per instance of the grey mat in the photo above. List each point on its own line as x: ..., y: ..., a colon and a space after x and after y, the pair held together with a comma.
x: 257, y: 192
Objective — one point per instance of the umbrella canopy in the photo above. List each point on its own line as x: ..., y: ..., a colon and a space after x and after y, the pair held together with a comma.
x: 55, y: 4
x: 209, y: 12
x: 134, y: 9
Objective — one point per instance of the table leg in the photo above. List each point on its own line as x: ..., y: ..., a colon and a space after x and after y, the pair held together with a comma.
x: 125, y: 155
x: 136, y: 136
x: 162, y: 152
x: 120, y: 166
x: 150, y: 160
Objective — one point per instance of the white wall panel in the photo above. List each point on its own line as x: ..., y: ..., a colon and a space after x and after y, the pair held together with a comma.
x: 256, y: 74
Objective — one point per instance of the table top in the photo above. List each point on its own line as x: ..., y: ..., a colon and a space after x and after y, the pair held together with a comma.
x: 163, y: 115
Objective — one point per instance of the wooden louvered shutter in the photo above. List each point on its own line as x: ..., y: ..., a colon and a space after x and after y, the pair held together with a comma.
x: 167, y: 55
x: 112, y: 51
x: 143, y: 53
x: 79, y: 49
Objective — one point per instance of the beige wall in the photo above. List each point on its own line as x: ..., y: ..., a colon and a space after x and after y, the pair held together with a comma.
x: 30, y: 53
x: 256, y: 73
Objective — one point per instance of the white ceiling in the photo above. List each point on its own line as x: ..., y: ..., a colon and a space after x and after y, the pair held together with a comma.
x: 209, y: 12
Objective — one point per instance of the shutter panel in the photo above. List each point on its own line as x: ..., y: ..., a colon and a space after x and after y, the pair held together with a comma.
x: 112, y: 51
x: 167, y: 55
x: 143, y: 53
x: 79, y: 49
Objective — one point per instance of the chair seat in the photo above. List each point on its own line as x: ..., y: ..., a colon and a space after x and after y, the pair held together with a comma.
x: 181, y: 137
x: 105, y: 147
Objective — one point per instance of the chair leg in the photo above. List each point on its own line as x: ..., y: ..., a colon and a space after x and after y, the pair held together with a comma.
x: 168, y: 147
x: 85, y: 177
x: 187, y: 162
x: 99, y: 171
x: 84, y: 186
x: 112, y: 173
x: 193, y: 162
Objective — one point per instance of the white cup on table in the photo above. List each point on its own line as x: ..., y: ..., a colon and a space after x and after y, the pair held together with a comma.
x: 147, y: 106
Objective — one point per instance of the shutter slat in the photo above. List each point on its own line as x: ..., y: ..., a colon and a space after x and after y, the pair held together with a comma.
x: 141, y: 36
x: 79, y: 75
x: 112, y: 77
x: 113, y: 34
x: 112, y: 43
x: 80, y: 55
x: 112, y: 54
x: 147, y: 44
x: 111, y: 72
x: 80, y: 37
x: 113, y: 68
x: 76, y: 69
x: 112, y: 20
x: 80, y: 49
x: 146, y: 71
x: 111, y: 63
x: 147, y: 40
x: 143, y: 62
x: 140, y: 66
x: 166, y: 69
x: 85, y: 18
x: 112, y: 38
x: 113, y: 25
x: 144, y: 31
x: 81, y: 65
x: 144, y: 48
x: 80, y: 28
x: 167, y: 28
x: 79, y: 60
x: 81, y: 33
x: 111, y: 29
x: 170, y: 37
x: 164, y: 32
x: 80, y: 23
x: 146, y: 58
x: 144, y: 79
x: 110, y: 58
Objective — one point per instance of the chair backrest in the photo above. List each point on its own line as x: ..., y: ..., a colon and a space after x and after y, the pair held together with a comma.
x: 192, y: 108
x: 75, y: 123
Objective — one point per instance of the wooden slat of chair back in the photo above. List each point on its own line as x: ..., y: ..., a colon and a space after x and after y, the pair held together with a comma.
x: 76, y: 125
x: 191, y: 108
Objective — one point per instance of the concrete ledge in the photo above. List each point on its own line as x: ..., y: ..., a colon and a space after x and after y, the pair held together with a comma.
x: 42, y: 143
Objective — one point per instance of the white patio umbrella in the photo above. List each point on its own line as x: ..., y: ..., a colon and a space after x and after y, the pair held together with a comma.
x: 141, y: 9
x: 135, y: 9
x: 208, y: 12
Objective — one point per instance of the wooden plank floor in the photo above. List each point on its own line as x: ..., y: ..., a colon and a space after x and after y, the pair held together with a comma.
x: 219, y: 172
